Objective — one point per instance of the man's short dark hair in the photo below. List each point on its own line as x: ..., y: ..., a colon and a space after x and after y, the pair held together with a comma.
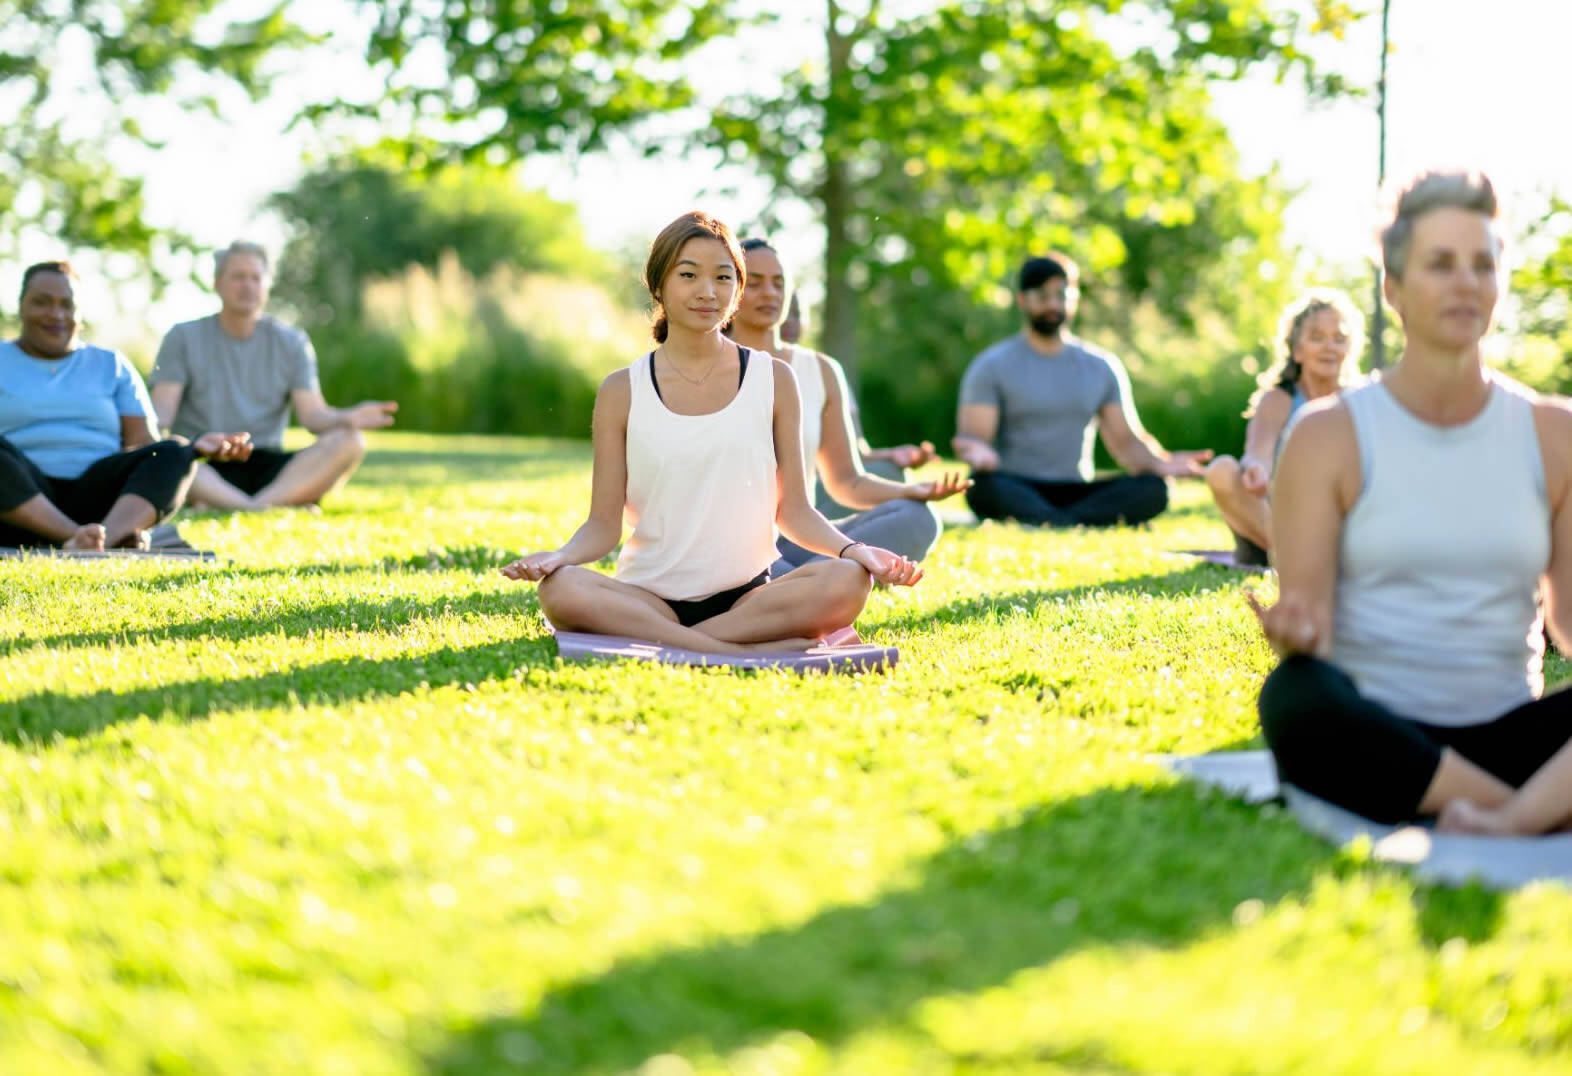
x: 1041, y: 268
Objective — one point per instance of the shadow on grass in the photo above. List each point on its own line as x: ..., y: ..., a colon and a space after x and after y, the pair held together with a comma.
x: 337, y: 613
x: 1149, y: 867
x: 45, y: 715
x: 1199, y: 577
x: 1470, y: 912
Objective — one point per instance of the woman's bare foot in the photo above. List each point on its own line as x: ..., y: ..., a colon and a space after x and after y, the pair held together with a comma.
x: 88, y: 538
x: 1461, y: 816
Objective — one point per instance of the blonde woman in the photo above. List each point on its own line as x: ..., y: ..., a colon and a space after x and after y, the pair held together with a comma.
x: 1321, y: 338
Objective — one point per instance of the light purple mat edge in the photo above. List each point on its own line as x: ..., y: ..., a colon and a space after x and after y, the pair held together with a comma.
x: 845, y: 652
x: 1223, y: 558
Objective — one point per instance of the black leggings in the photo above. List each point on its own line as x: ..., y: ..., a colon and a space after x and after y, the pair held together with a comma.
x: 1332, y: 742
x: 158, y: 473
x: 1133, y: 498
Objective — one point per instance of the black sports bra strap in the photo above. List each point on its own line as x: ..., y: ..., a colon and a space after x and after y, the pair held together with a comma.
x: 742, y: 371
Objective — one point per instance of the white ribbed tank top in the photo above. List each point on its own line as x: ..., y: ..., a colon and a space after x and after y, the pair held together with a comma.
x: 701, y: 495
x: 1438, y: 572
x: 810, y: 389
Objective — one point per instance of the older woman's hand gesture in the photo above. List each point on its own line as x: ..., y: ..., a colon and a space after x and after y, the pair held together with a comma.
x: 1290, y: 626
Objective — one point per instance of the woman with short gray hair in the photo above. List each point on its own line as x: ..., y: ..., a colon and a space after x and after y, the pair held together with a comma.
x: 1417, y: 521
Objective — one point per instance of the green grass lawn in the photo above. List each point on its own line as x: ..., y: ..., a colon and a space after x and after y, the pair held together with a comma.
x: 333, y: 806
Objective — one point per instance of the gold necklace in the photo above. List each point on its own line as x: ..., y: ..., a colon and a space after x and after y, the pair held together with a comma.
x: 673, y: 367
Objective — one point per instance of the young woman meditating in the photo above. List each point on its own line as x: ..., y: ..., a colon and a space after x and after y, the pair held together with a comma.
x: 699, y: 445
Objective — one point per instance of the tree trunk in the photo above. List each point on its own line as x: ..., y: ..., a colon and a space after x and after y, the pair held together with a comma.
x: 838, y: 335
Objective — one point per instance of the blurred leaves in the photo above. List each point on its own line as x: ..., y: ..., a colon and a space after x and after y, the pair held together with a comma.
x: 1542, y: 286
x: 56, y: 147
x: 527, y: 76
x: 364, y: 218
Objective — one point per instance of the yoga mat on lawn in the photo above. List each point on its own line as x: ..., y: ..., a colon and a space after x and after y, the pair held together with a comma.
x: 1442, y: 858
x: 182, y: 555
x: 1223, y: 558
x: 844, y: 651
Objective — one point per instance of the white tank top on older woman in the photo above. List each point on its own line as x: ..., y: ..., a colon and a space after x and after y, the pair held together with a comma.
x: 1438, y: 573
x: 701, y: 495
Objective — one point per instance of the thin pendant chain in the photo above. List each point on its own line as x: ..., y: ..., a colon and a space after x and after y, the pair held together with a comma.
x: 692, y: 381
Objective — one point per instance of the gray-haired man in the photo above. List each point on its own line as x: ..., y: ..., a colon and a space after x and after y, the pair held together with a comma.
x: 249, y: 369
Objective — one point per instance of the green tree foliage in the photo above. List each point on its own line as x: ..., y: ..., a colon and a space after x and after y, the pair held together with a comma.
x: 55, y: 172
x: 355, y: 221
x: 1543, y: 285
x: 475, y: 303
x: 941, y: 148
x: 529, y: 75
x: 1542, y: 289
x: 938, y: 144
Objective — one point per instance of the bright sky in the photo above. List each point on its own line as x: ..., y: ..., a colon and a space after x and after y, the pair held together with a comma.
x: 1471, y: 86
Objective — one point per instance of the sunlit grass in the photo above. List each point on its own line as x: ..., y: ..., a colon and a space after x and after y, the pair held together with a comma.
x: 333, y: 806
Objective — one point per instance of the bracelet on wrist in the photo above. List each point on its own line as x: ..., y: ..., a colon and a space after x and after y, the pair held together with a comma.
x: 845, y: 547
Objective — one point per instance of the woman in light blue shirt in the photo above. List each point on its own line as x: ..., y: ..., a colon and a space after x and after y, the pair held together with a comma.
x: 80, y: 463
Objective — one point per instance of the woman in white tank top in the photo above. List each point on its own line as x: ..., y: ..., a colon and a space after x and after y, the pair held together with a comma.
x: 1417, y: 520
x: 891, y: 514
x: 698, y: 446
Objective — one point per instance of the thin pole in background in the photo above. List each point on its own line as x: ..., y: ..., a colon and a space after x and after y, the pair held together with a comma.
x: 1378, y: 323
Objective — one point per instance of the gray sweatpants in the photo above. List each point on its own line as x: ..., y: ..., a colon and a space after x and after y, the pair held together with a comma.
x: 909, y: 528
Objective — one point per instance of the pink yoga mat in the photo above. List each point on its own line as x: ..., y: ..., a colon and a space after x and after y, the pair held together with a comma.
x: 844, y: 651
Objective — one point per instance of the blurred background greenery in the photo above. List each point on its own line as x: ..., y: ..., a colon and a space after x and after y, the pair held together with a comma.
x: 935, y: 144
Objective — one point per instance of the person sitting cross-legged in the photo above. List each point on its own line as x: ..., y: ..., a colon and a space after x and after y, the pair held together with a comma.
x: 1029, y: 407
x: 243, y: 369
x: 699, y: 445
x: 893, y: 514
x: 80, y: 464
x: 1320, y: 334
x: 1422, y: 530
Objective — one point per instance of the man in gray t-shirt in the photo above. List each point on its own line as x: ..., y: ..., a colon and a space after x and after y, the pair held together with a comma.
x: 245, y: 370
x: 1030, y: 406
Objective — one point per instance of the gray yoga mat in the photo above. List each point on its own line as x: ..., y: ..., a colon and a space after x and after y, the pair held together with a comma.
x: 1443, y: 858
x: 844, y: 652
x: 182, y: 555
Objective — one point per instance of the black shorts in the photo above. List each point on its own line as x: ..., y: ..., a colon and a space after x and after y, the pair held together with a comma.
x: 701, y: 609
x: 249, y: 476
